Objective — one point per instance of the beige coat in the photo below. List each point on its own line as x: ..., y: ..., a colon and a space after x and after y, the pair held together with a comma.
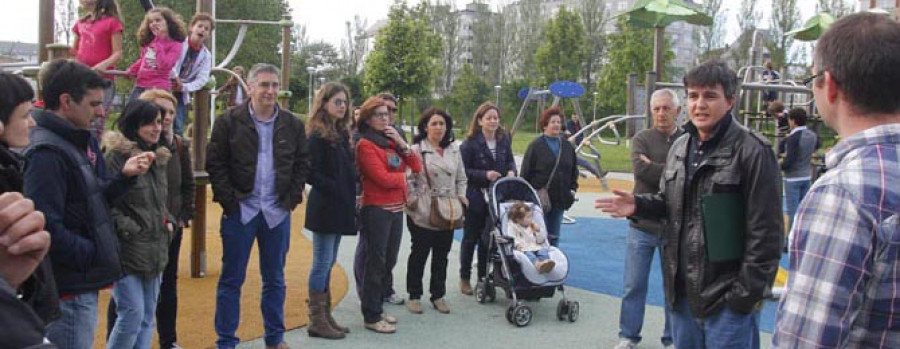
x: 530, y: 238
x: 447, y: 174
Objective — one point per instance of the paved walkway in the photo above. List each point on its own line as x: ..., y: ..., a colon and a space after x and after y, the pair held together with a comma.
x: 474, y: 325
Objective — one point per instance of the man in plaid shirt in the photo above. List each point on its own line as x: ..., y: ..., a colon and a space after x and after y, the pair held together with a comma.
x: 844, y: 288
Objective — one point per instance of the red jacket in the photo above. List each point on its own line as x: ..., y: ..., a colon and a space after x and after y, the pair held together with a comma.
x: 381, y: 184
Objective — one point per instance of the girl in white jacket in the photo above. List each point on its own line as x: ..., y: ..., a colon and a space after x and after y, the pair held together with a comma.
x: 530, y: 239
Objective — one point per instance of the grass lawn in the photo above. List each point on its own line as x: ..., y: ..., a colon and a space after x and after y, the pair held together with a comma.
x: 613, y: 158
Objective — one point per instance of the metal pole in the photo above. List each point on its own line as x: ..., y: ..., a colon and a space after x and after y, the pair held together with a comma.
x: 286, y: 25
x: 497, y: 88
x: 594, y: 116
x: 630, y: 104
x: 658, y: 52
x: 649, y: 87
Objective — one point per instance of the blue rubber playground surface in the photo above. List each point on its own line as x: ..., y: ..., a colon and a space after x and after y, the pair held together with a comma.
x: 596, y: 250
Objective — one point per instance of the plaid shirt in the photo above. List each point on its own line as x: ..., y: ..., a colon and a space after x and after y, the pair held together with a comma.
x: 844, y: 287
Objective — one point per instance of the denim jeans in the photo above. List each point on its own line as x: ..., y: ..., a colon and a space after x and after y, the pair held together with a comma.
x: 794, y: 191
x: 136, y: 298
x: 237, y: 241
x: 473, y: 242
x: 383, y: 231
x: 77, y: 323
x: 553, y: 221
x: 98, y: 125
x: 424, y: 242
x: 638, y: 259
x: 539, y: 255
x: 181, y: 113
x: 325, y: 249
x: 724, y: 329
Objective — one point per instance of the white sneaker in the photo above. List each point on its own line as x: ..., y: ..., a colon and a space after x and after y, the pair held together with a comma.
x: 395, y: 299
x: 626, y: 344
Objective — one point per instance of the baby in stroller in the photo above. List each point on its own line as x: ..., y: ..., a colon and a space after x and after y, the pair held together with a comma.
x: 530, y: 239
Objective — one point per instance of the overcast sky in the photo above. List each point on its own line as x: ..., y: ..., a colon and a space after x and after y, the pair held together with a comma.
x: 324, y: 19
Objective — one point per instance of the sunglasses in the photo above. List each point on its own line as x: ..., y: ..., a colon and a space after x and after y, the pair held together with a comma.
x: 813, y: 77
x: 340, y: 102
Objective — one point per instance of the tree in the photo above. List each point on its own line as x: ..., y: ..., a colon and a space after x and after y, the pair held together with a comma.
x: 353, y: 47
x: 526, y: 22
x: 66, y: 16
x: 748, y: 18
x: 445, y: 24
x: 710, y: 38
x: 837, y: 8
x: 785, y: 17
x: 322, y: 56
x: 560, y: 55
x: 593, y: 19
x: 403, y: 58
x: 469, y: 91
x: 630, y: 51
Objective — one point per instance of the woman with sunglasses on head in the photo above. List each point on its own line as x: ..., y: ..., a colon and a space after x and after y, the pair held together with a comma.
x: 382, y: 157
x: 333, y: 180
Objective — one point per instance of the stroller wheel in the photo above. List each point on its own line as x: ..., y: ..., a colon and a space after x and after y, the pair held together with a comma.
x: 573, y: 311
x: 480, y: 292
x: 509, y: 315
x: 521, y: 315
x: 562, y: 310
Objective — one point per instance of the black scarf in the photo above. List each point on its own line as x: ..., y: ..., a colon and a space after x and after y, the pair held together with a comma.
x: 376, y: 137
x: 11, y: 165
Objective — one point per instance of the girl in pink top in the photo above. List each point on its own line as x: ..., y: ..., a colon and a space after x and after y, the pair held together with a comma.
x: 98, y: 44
x: 161, y: 35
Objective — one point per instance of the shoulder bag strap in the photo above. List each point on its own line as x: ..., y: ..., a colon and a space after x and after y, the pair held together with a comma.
x: 553, y: 172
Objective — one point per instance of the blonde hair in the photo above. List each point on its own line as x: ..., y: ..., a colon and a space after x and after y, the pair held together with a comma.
x: 152, y: 94
x: 518, y: 211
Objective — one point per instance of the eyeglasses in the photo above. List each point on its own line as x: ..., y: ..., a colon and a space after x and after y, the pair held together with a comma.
x: 810, y: 79
x: 382, y: 115
x: 392, y: 110
x: 340, y: 102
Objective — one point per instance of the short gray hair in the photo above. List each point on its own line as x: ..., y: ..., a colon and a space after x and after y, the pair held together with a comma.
x: 672, y: 94
x: 262, y: 68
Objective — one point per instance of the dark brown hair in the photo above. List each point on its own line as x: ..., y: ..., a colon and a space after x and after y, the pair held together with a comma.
x: 711, y: 73
x: 862, y: 53
x: 423, y: 125
x: 203, y: 16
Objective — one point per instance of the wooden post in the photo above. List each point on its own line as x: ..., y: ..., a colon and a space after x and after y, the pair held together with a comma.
x: 46, y: 23
x: 201, y: 177
x: 57, y: 51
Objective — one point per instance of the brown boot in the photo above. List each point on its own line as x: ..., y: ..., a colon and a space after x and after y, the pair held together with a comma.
x: 465, y: 287
x: 318, y: 322
x: 334, y: 324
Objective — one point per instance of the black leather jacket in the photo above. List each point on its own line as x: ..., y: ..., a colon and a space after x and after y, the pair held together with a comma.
x: 744, y: 163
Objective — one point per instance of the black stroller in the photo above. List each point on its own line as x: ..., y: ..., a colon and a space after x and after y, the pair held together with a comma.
x: 511, y: 269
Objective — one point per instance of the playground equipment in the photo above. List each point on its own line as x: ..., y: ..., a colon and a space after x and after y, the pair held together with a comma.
x: 204, y: 108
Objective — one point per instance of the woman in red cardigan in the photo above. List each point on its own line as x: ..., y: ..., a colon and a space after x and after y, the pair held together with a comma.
x: 382, y: 157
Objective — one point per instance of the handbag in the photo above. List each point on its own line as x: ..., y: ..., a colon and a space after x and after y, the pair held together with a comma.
x: 543, y: 194
x: 446, y: 210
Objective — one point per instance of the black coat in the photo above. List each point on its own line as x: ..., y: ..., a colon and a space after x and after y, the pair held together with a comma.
x: 538, y: 163
x: 20, y: 327
x: 332, y: 201
x: 232, y: 155
x: 39, y: 290
x: 476, y: 157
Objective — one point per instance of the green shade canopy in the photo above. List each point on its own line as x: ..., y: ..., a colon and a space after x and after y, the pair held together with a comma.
x: 661, y: 13
x: 813, y: 28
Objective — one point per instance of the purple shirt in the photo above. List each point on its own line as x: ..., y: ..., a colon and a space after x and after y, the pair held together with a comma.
x: 264, y: 198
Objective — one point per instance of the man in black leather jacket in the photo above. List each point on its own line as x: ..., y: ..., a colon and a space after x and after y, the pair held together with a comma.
x: 722, y: 256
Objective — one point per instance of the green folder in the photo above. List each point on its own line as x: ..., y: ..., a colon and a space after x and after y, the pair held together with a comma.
x: 725, y: 223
